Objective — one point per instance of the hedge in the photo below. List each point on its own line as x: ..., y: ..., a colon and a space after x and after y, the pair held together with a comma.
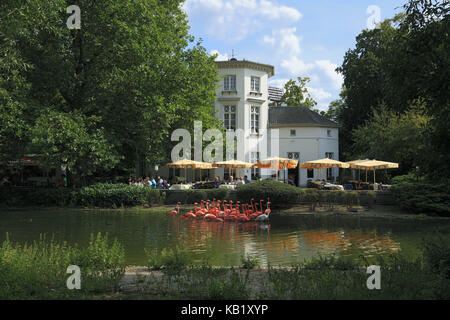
x: 99, y: 195
x: 419, y: 195
x: 123, y: 195
x: 115, y: 195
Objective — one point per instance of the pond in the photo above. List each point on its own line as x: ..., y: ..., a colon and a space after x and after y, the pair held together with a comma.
x: 287, y: 239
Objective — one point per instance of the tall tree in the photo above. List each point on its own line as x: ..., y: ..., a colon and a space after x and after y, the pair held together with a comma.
x: 297, y: 94
x: 393, y: 136
x: 425, y: 66
x: 132, y: 65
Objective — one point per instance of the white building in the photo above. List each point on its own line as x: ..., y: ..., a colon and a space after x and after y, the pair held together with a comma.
x: 242, y: 102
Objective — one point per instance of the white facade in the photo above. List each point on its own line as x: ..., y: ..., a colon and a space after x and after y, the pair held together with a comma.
x: 309, y: 143
x: 234, y: 106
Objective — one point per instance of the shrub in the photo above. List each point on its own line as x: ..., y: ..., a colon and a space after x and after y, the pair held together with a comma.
x: 11, y: 196
x: 280, y: 194
x: 351, y: 198
x: 175, y: 259
x: 116, y: 195
x: 437, y: 256
x: 249, y: 262
x: 371, y: 198
x: 217, y: 193
x: 421, y: 196
x: 192, y: 196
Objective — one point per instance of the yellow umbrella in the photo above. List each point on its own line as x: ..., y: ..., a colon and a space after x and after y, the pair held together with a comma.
x: 189, y: 164
x: 277, y: 163
x: 232, y: 164
x: 372, y: 165
x: 322, y: 164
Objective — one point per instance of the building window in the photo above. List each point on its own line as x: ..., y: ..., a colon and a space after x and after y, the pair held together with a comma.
x: 229, y: 117
x: 254, y: 86
x: 229, y: 83
x: 310, y: 173
x: 293, y: 133
x: 254, y: 119
x: 329, y: 133
x: 294, y: 155
x: 256, y: 172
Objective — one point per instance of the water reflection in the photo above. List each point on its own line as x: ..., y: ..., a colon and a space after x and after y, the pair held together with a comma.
x: 286, y: 240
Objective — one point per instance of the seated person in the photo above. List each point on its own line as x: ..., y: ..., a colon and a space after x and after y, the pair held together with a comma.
x: 246, y: 180
x: 217, y: 182
x: 232, y: 180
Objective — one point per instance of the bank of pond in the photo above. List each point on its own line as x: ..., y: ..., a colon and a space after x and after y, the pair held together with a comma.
x: 40, y: 271
x: 293, y: 256
x: 413, y: 195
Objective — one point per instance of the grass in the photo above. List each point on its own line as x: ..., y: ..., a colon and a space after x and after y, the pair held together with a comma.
x: 38, y: 270
x: 424, y: 277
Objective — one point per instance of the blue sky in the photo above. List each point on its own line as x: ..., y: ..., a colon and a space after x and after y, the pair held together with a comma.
x: 299, y: 38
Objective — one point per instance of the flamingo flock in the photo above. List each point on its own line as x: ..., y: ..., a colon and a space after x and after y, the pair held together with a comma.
x: 220, y: 211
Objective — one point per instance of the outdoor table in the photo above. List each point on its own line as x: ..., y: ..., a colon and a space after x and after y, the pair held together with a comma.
x: 180, y: 187
x: 330, y: 186
x: 227, y: 186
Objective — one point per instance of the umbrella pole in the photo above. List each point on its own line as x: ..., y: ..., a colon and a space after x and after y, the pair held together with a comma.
x: 366, y: 175
x: 373, y: 176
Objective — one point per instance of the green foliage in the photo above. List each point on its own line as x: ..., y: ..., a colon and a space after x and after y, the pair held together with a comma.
x: 394, y: 137
x: 38, y: 271
x: 217, y: 193
x: 437, y: 256
x: 372, y: 197
x: 170, y: 259
x: 249, y: 262
x: 73, y: 140
x: 115, y: 195
x: 18, y: 197
x: 193, y: 196
x: 419, y: 195
x: 280, y: 194
x: 394, y: 66
x: 297, y: 94
x: 122, y: 82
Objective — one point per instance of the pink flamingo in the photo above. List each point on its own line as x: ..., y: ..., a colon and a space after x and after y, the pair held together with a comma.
x: 175, y: 212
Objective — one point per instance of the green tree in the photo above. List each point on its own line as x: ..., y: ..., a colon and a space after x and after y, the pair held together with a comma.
x: 297, y: 94
x: 424, y: 66
x: 74, y: 141
x: 392, y: 136
x: 132, y: 65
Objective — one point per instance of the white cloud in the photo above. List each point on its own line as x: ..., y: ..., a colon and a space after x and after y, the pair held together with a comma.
x: 220, y: 57
x: 319, y: 94
x: 296, y: 66
x: 279, y: 83
x: 285, y: 40
x: 233, y: 20
x: 329, y: 69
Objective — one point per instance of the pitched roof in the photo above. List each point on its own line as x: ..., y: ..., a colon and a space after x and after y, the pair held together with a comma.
x: 298, y: 117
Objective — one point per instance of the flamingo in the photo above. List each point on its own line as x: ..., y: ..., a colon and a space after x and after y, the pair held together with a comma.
x: 265, y: 215
x: 175, y: 212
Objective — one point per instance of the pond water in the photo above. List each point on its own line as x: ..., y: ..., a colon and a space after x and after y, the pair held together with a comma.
x: 287, y: 239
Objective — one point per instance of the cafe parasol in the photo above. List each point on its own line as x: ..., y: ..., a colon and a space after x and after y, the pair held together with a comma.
x: 189, y: 164
x: 232, y: 164
x: 325, y: 163
x: 372, y: 165
x: 277, y: 163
